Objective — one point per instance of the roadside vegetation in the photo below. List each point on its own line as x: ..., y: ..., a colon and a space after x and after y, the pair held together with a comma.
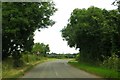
x: 61, y: 55
x: 19, y: 22
x: 100, y: 71
x: 30, y: 60
x: 96, y: 33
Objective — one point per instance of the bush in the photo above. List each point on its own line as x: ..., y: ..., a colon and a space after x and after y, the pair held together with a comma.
x: 111, y: 62
x: 28, y: 57
x: 78, y: 57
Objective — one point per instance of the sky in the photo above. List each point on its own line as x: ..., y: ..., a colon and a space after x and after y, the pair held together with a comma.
x: 52, y: 35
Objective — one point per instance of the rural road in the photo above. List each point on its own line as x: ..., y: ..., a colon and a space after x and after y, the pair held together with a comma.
x: 57, y: 69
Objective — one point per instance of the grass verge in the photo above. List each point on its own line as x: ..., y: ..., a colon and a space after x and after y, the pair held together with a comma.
x: 99, y: 71
x: 9, y: 72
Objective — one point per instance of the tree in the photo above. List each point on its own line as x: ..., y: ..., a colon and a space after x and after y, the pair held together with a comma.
x: 116, y: 39
x: 41, y: 48
x: 91, y: 30
x: 47, y: 50
x: 117, y: 3
x: 19, y: 21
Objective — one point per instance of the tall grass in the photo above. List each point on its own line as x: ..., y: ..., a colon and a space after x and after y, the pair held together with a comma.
x: 8, y: 71
x: 29, y: 58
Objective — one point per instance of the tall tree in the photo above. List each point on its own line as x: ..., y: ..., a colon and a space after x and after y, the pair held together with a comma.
x: 19, y: 21
x: 91, y: 30
x: 116, y: 39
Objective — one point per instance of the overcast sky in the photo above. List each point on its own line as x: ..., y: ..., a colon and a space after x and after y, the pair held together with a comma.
x: 52, y: 35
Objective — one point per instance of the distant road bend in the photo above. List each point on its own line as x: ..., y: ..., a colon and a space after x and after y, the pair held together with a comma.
x: 57, y: 69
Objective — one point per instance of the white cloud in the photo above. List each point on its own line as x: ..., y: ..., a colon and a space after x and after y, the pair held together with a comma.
x: 52, y: 35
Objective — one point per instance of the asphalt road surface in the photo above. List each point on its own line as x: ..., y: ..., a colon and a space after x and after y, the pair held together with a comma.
x: 57, y: 69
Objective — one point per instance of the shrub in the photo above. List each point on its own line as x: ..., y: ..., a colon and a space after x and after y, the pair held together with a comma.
x: 111, y: 62
x: 78, y: 57
x: 29, y: 57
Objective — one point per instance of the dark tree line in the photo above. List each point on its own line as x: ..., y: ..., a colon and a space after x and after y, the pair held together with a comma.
x: 95, y: 31
x: 19, y: 21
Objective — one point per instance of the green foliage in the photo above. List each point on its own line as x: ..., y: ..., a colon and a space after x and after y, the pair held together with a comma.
x: 40, y: 49
x: 61, y: 55
x: 78, y: 57
x: 30, y: 60
x: 94, y: 31
x: 19, y: 21
x: 111, y: 62
x: 100, y: 71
